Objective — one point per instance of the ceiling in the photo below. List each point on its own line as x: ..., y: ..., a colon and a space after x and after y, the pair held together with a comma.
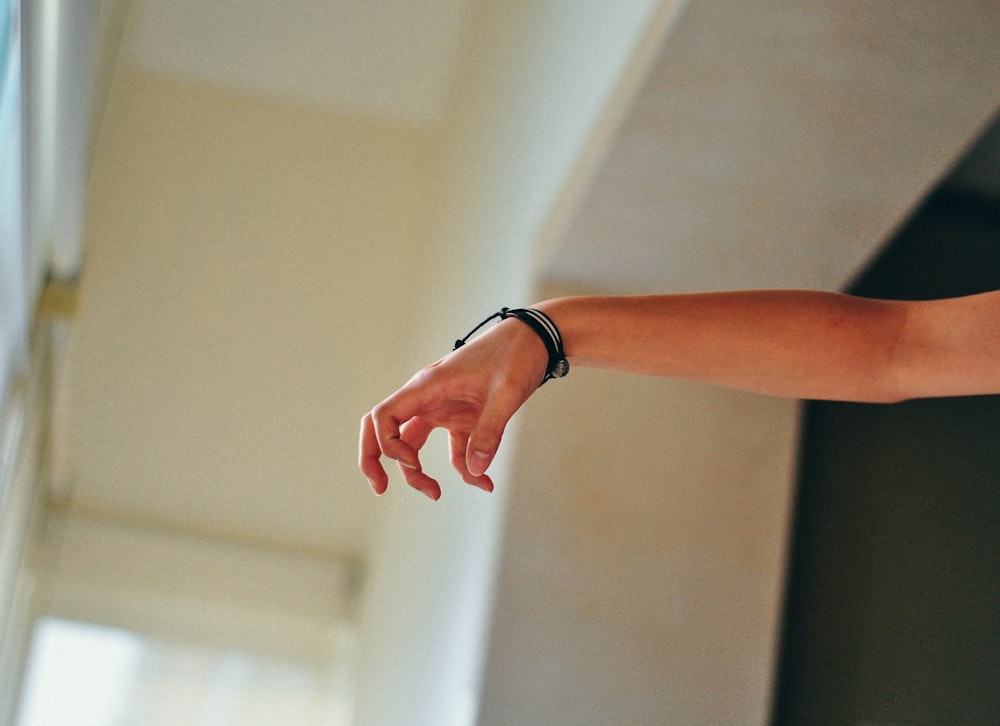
x: 779, y: 148
x: 388, y: 59
x: 754, y: 132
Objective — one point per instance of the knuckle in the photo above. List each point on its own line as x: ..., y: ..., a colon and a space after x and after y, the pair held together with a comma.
x: 379, y: 415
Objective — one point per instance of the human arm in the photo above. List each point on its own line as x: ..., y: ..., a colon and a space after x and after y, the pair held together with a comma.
x: 790, y: 343
x: 793, y: 343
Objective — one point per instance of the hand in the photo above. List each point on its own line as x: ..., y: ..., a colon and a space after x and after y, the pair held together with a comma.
x: 473, y: 392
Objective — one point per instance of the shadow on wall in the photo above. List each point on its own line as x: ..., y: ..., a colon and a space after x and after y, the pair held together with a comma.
x: 893, y: 606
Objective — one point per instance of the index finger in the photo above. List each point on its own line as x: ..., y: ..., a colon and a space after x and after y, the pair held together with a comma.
x: 369, y: 456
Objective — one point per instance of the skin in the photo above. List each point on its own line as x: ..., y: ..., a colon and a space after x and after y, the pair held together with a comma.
x: 791, y: 343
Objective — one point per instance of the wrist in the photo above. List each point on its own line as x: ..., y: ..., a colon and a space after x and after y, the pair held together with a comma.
x: 562, y: 312
x: 523, y: 348
x: 590, y: 326
x: 548, y: 333
x: 531, y: 325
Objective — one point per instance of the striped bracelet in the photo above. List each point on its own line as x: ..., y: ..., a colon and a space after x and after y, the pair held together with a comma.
x: 543, y: 327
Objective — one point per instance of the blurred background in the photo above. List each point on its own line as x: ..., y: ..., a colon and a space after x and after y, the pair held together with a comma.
x: 229, y: 229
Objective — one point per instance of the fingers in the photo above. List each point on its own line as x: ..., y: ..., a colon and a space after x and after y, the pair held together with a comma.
x: 411, y: 437
x: 484, y: 439
x: 469, y: 393
x: 414, y: 434
x: 381, y: 435
x: 369, y: 456
x: 458, y: 446
x: 421, y: 482
x: 386, y: 427
x: 404, y: 445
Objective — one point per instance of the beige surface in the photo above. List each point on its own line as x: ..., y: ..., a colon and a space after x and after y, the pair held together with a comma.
x: 236, y: 247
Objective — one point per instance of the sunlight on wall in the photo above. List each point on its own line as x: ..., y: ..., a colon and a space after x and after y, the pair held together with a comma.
x: 90, y: 666
x: 93, y: 674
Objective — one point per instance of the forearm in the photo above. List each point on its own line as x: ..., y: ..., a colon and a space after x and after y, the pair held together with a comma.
x: 789, y: 343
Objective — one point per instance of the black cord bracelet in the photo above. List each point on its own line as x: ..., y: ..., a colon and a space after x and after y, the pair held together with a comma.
x: 543, y: 327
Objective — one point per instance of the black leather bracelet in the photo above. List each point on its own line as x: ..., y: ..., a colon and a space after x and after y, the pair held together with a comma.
x: 543, y: 327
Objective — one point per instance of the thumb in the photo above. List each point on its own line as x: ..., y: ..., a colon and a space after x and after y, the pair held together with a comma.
x: 484, y: 439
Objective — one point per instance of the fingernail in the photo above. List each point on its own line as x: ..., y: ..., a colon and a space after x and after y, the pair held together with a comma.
x: 477, y: 465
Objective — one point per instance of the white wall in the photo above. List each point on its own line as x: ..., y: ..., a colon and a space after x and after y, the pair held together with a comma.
x: 247, y: 261
x: 44, y: 157
x: 260, y: 275
x: 642, y: 570
x: 540, y: 86
x: 642, y: 577
x: 239, y: 310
